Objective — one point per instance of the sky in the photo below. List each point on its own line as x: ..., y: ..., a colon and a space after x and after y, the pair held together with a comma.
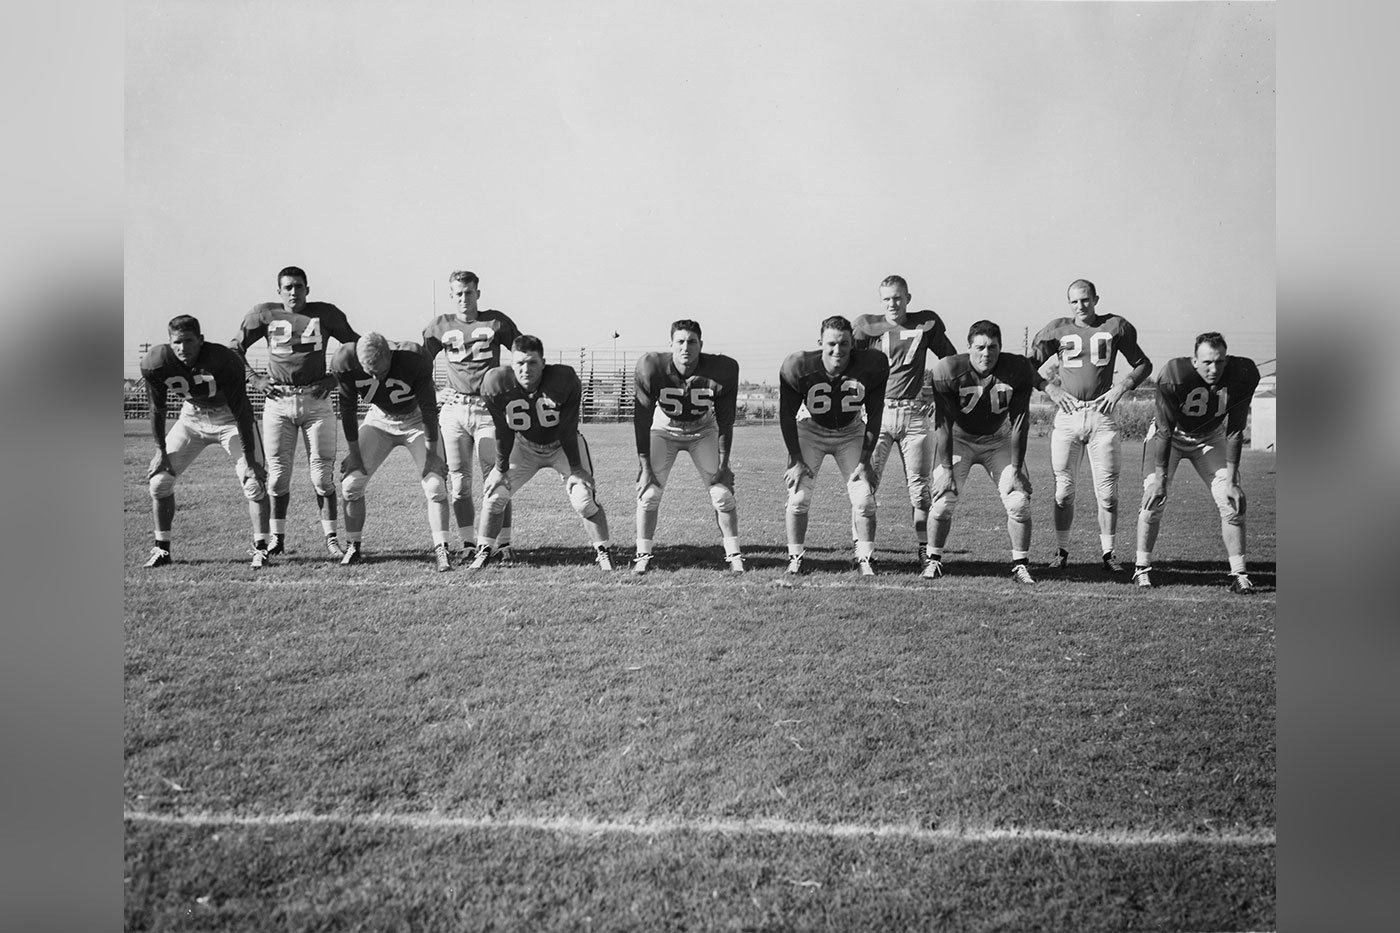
x: 609, y: 167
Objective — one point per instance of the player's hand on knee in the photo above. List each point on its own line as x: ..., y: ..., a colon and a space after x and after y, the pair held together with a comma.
x: 434, y: 463
x: 646, y: 478
x: 1021, y: 480
x: 794, y: 475
x: 1154, y: 493
x: 351, y: 464
x: 942, y: 484
x: 1235, y: 496
x: 496, y: 481
x: 160, y: 464
x: 582, y: 476
x: 723, y: 477
x: 863, y: 473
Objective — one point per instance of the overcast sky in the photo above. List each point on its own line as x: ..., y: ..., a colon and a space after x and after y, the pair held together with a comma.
x: 613, y: 166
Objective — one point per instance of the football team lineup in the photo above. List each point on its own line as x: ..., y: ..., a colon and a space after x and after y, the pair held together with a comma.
x: 866, y: 392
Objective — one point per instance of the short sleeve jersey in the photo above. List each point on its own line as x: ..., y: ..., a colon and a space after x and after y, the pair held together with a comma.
x: 1187, y: 402
x: 215, y: 379
x: 471, y: 348
x: 708, y: 394
x: 836, y: 401
x: 906, y: 346
x: 1087, y: 352
x: 296, y: 343
x: 981, y: 404
x: 540, y: 416
x: 407, y: 385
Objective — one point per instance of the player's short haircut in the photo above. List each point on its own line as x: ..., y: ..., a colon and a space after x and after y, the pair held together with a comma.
x: 1210, y: 338
x: 984, y: 329
x: 1093, y: 292
x: 528, y: 343
x: 466, y: 278
x: 685, y: 324
x: 837, y: 322
x: 895, y: 281
x: 295, y: 272
x: 183, y: 322
x: 371, y: 350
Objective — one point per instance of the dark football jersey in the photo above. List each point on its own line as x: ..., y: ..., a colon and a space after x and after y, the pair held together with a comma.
x: 662, y: 393
x: 836, y: 401
x: 1087, y: 352
x: 548, y: 415
x: 214, y: 379
x: 296, y: 343
x: 978, y: 404
x: 906, y: 346
x: 407, y: 385
x: 1188, y: 403
x: 471, y: 348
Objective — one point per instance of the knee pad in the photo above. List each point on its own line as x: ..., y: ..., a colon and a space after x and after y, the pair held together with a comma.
x: 1220, y: 492
x: 943, y: 506
x: 352, y: 488
x: 460, y: 485
x: 799, y: 500
x: 496, y: 502
x: 920, y: 497
x: 1018, y: 505
x: 862, y: 498
x: 651, y: 499
x: 582, y: 499
x: 253, y: 489
x: 1107, y: 495
x: 322, y: 478
x: 435, y: 488
x: 279, y: 479
x: 722, y: 498
x: 162, y: 485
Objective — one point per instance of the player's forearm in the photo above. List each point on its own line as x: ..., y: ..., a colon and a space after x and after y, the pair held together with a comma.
x: 1134, y: 376
x: 788, y: 426
x: 943, y: 446
x: 505, y: 443
x: 1161, y: 447
x: 726, y: 441
x: 349, y: 417
x: 158, y: 425
x: 641, y: 427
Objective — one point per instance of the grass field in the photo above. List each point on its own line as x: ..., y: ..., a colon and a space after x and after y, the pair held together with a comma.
x: 547, y: 747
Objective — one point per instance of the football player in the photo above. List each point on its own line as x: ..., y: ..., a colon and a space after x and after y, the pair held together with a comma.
x: 835, y: 384
x: 208, y: 380
x: 1077, y: 354
x: 397, y: 382
x: 982, y: 403
x: 536, y: 409
x: 906, y: 338
x: 685, y: 401
x: 297, y: 398
x: 1201, y: 412
x: 470, y: 341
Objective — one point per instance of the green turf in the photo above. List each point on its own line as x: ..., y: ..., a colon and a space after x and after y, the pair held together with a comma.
x: 686, y: 698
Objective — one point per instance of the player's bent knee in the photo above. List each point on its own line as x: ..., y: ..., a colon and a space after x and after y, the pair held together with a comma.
x: 253, y: 489
x: 495, y: 504
x: 943, y: 506
x: 435, y: 488
x: 460, y: 485
x: 1018, y: 505
x: 862, y: 498
x: 583, y: 500
x: 162, y: 485
x: 322, y: 478
x: 799, y: 502
x: 352, y: 488
x: 650, y: 499
x: 722, y: 498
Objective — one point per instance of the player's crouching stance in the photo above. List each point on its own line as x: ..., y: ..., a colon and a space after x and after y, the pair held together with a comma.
x: 835, y: 383
x: 1202, y: 409
x: 536, y: 410
x: 397, y: 383
x: 982, y: 410
x: 685, y: 400
x: 208, y: 378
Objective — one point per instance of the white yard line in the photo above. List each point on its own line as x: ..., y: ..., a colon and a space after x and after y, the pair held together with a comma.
x: 147, y: 580
x: 589, y: 827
